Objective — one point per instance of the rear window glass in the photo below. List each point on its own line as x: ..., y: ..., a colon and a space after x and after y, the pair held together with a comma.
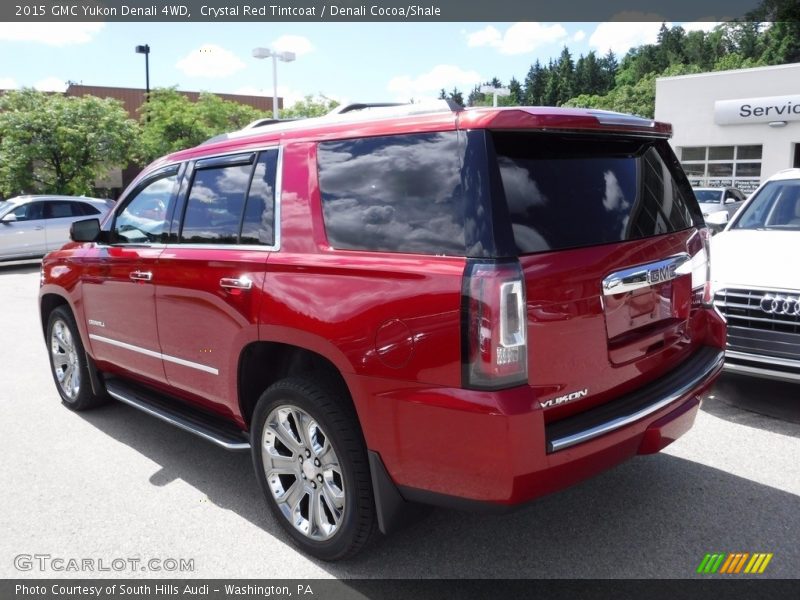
x: 399, y: 193
x: 568, y: 192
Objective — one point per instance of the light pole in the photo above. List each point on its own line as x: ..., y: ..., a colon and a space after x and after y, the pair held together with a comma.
x: 276, y: 56
x: 146, y: 51
x: 489, y: 89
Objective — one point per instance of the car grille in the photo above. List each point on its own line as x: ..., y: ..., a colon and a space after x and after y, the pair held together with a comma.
x: 754, y: 331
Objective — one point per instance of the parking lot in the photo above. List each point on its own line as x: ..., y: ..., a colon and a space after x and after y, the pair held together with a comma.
x: 116, y: 483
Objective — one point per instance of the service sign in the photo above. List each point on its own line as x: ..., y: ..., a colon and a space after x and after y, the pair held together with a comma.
x: 757, y: 110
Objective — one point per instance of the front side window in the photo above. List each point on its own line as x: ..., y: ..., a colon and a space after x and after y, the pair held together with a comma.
x: 399, y: 193
x: 32, y: 211
x: 144, y: 217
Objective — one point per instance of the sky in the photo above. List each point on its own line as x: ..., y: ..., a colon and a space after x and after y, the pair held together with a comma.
x: 348, y: 62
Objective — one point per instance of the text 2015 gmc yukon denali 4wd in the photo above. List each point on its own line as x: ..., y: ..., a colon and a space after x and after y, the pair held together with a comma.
x: 400, y: 305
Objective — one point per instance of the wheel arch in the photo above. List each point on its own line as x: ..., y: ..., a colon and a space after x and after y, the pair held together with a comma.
x: 262, y: 363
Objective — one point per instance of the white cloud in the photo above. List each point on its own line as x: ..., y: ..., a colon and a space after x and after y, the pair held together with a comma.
x: 428, y: 84
x: 293, y: 43
x: 579, y: 35
x: 485, y: 37
x: 51, y: 84
x: 700, y: 25
x: 210, y: 60
x: 8, y: 83
x: 621, y: 36
x: 51, y: 34
x: 520, y: 38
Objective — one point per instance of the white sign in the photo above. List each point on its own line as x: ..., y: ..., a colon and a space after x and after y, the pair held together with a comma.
x: 757, y: 110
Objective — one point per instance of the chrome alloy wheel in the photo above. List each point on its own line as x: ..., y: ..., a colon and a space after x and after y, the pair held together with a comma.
x: 303, y: 472
x: 65, y: 360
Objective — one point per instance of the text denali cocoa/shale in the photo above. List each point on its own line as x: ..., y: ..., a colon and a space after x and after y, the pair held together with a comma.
x: 322, y: 11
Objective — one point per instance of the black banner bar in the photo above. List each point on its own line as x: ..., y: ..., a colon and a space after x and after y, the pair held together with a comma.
x: 404, y: 589
x: 373, y: 10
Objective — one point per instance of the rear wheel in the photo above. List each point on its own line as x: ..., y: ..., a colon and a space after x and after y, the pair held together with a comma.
x: 68, y: 362
x: 311, y: 463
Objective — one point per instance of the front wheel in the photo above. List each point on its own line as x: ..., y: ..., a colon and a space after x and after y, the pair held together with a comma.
x: 68, y: 362
x: 311, y: 463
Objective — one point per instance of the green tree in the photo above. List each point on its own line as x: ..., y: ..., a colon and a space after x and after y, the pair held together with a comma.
x: 53, y: 144
x: 310, y: 106
x: 171, y: 122
x: 534, y: 85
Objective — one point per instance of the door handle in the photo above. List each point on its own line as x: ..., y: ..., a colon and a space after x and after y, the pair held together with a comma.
x: 141, y: 275
x: 239, y: 283
x: 39, y: 228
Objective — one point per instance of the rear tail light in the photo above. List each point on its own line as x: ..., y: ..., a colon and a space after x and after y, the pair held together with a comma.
x: 699, y: 247
x: 494, y: 326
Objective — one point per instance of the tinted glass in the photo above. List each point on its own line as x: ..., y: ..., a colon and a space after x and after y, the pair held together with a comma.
x: 32, y: 211
x: 748, y: 169
x: 566, y: 192
x: 395, y: 193
x: 85, y: 209
x: 709, y: 196
x: 215, y: 204
x: 58, y: 209
x: 776, y: 206
x: 693, y: 153
x: 720, y: 153
x: 258, y: 225
x: 142, y: 220
x: 748, y: 152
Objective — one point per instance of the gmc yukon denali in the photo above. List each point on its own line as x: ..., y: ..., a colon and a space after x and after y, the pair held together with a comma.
x: 399, y: 305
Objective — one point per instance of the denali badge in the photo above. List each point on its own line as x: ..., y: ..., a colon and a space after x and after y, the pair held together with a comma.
x: 565, y: 398
x: 98, y: 323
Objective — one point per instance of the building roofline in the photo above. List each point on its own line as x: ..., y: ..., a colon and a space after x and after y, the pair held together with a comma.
x: 730, y: 72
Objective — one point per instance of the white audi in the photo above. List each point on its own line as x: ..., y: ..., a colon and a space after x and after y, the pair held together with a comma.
x: 756, y: 280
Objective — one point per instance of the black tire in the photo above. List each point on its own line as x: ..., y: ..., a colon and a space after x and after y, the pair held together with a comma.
x: 333, y: 419
x: 68, y: 362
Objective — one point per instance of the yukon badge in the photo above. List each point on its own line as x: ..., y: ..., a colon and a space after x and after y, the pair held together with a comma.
x: 565, y: 398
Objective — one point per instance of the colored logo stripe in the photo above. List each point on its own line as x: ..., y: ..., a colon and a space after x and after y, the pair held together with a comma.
x: 734, y: 562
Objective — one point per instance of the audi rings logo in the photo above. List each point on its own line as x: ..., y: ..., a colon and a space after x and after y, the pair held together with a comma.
x: 781, y: 305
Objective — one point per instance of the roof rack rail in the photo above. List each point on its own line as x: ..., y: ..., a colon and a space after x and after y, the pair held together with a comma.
x: 266, y: 121
x: 351, y: 112
x: 412, y: 107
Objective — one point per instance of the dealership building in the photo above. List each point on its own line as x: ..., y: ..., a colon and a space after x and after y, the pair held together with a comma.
x: 733, y: 127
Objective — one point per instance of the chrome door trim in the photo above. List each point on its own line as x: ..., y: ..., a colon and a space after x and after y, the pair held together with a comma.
x: 154, y: 354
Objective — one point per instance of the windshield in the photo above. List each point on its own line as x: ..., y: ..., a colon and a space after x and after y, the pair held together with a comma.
x: 708, y: 196
x: 7, y: 205
x: 775, y: 206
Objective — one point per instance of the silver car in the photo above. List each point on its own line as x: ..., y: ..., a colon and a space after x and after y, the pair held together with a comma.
x: 719, y: 200
x: 31, y: 226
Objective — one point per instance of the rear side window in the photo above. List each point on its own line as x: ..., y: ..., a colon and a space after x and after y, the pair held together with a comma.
x: 232, y: 202
x: 215, y: 205
x: 568, y: 192
x: 399, y: 193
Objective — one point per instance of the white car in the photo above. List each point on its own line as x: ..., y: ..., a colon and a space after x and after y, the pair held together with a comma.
x: 756, y: 281
x: 32, y: 226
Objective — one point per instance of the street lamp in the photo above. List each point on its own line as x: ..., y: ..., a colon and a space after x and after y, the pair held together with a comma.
x: 488, y: 89
x: 276, y: 56
x: 146, y: 51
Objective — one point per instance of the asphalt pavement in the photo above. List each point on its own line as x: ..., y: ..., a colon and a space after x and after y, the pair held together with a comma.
x: 115, y: 484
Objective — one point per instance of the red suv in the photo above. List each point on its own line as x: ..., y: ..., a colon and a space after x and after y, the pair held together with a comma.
x: 399, y: 306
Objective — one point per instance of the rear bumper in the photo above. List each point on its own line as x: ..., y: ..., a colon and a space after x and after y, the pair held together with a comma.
x: 492, y: 450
